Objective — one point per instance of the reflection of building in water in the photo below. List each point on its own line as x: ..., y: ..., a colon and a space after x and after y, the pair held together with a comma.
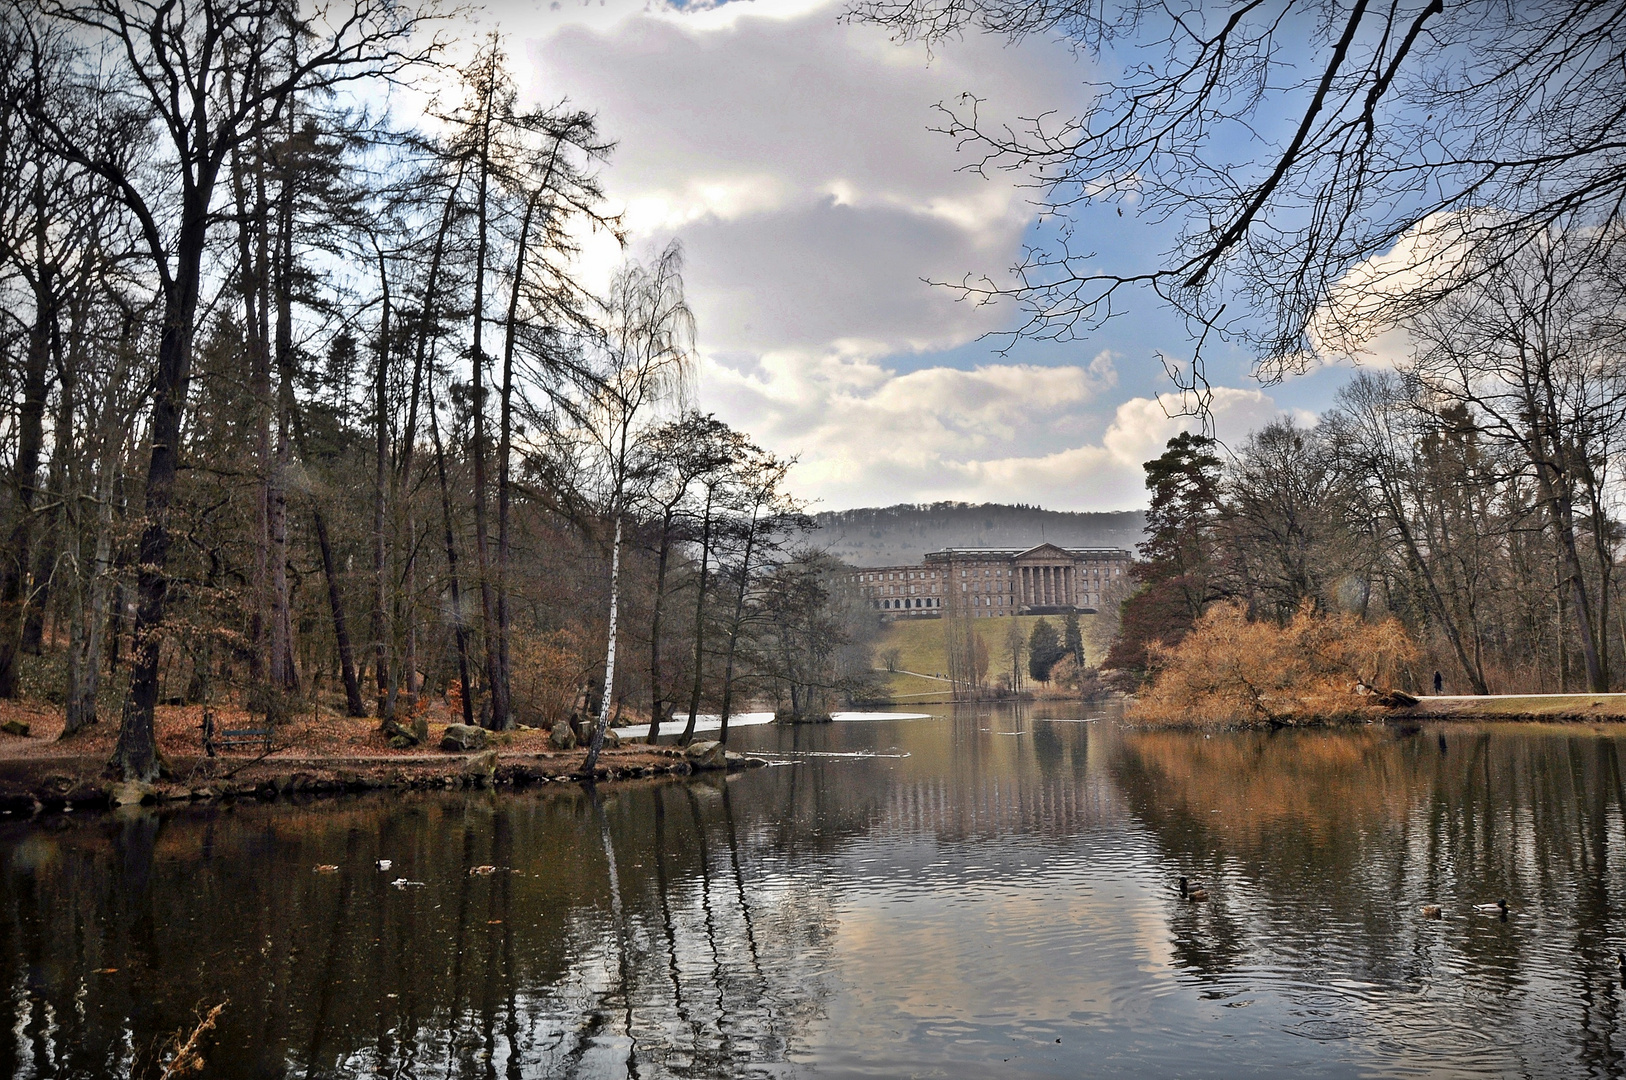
x: 989, y: 582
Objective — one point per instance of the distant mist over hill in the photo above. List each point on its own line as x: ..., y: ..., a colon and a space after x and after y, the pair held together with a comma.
x: 889, y: 535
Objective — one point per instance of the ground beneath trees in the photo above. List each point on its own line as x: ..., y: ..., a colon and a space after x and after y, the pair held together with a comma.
x: 320, y: 752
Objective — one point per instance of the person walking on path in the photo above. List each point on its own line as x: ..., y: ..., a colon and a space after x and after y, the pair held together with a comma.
x: 1439, y: 683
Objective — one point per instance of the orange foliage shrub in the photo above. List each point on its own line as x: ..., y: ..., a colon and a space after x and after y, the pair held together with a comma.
x: 1231, y: 672
x: 548, y: 672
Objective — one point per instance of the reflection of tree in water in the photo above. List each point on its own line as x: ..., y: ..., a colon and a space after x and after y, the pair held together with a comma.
x: 1325, y: 844
x: 115, y: 928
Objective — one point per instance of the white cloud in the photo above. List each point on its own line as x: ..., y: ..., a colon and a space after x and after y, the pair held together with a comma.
x: 1357, y: 322
x: 790, y: 152
x: 792, y: 155
x: 872, y: 437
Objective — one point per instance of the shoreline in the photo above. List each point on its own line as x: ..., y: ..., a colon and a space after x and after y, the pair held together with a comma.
x: 1452, y: 708
x: 1517, y: 708
x: 34, y: 784
x: 316, y: 753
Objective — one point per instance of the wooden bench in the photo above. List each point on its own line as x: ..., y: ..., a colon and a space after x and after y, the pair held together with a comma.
x: 233, y: 737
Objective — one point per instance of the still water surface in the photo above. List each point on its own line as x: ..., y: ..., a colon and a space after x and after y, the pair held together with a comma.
x: 978, y: 893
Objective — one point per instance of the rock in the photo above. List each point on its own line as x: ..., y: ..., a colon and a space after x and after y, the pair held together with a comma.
x: 741, y: 761
x: 706, y: 755
x: 481, y: 766
x: 15, y: 727
x: 420, y: 728
x: 131, y: 793
x: 563, y: 736
x: 400, y: 738
x: 463, y: 738
x: 611, y: 739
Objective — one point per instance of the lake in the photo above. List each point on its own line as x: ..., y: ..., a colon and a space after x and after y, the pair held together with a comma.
x: 981, y: 892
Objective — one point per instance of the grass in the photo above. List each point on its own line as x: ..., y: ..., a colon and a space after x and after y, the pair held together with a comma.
x: 1568, y: 706
x: 921, y: 647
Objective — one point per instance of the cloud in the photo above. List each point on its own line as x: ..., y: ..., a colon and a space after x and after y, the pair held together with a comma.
x: 791, y: 154
x: 871, y: 436
x: 1359, y: 322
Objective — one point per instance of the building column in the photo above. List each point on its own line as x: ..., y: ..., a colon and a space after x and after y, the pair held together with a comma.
x: 1072, y: 585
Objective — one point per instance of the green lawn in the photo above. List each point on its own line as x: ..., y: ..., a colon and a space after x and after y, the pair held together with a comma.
x: 921, y: 649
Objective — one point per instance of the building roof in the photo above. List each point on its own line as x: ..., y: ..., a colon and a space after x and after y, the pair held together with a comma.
x: 1012, y: 553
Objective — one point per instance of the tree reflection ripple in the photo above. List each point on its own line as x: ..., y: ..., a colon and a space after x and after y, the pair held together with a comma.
x: 982, y: 893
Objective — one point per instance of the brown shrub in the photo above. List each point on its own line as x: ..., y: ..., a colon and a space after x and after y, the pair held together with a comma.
x: 548, y: 671
x: 1231, y: 672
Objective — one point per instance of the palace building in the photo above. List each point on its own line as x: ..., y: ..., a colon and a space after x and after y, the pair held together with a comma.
x: 990, y: 582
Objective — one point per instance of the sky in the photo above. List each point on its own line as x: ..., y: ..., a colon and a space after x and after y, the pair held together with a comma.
x: 792, y: 154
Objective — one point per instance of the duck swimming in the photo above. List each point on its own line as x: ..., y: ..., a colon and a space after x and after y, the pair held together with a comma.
x: 1433, y: 911
x: 1500, y: 907
x: 1191, y: 892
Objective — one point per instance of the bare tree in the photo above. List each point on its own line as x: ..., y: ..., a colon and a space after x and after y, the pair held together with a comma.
x: 1288, y: 142
x: 647, y: 357
x: 1532, y: 347
x: 210, y: 76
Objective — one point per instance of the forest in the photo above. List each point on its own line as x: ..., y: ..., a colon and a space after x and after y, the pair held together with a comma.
x: 308, y: 403
x: 1471, y: 491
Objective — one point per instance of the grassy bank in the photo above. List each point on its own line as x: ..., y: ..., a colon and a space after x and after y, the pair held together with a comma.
x: 922, y: 652
x: 1520, y: 707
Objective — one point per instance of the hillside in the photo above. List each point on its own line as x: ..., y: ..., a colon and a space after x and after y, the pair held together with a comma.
x: 886, y: 536
x: 919, y: 652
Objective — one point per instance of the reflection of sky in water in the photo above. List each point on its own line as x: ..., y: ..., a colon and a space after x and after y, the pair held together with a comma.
x: 916, y: 897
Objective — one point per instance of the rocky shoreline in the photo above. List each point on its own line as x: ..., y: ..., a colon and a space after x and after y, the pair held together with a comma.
x: 30, y: 785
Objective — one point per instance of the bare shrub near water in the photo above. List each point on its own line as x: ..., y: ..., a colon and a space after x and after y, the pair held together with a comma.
x: 1233, y: 672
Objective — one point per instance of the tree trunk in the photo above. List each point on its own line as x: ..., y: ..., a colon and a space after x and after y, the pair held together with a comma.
x: 402, y: 479
x: 734, y: 628
x: 256, y: 263
x: 14, y: 566
x: 135, y: 755
x: 284, y: 675
x: 597, y: 743
x: 381, y: 629
x: 656, y: 699
x: 354, y: 705
x: 497, y: 686
x: 1554, y: 486
x: 85, y: 631
x: 505, y: 436
x: 699, y: 621
x: 459, y: 629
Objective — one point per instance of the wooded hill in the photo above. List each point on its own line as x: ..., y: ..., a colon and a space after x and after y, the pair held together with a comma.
x: 889, y: 535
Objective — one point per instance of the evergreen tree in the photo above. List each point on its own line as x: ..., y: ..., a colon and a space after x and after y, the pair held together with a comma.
x: 1073, y: 640
x: 1044, y: 649
x: 1175, y: 558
